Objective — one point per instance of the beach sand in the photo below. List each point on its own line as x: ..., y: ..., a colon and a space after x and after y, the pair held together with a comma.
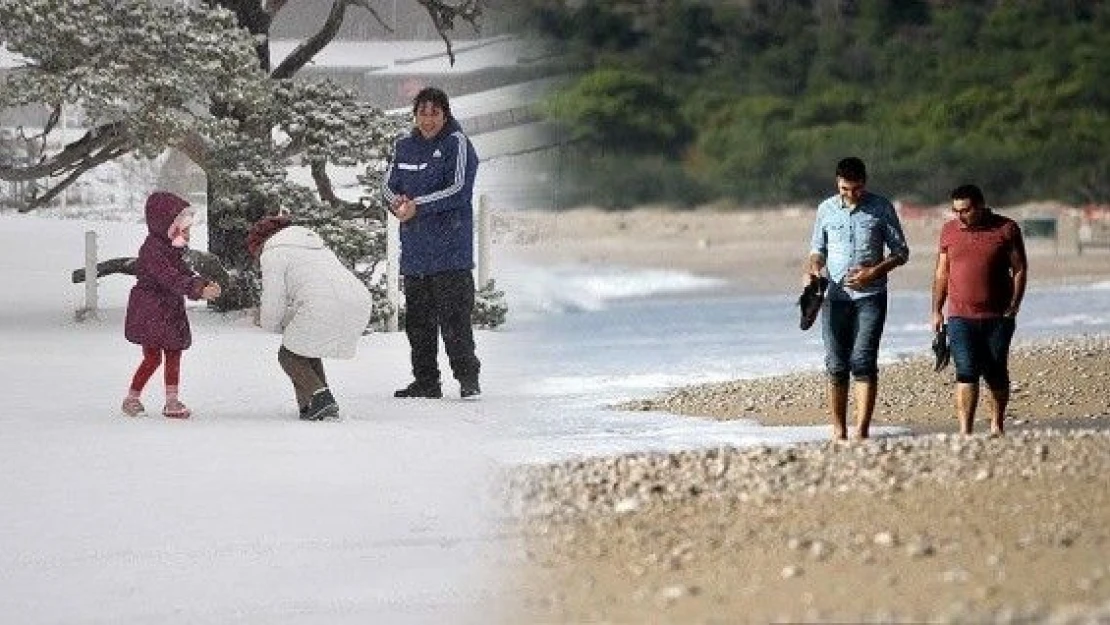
x: 930, y: 526
x: 758, y: 250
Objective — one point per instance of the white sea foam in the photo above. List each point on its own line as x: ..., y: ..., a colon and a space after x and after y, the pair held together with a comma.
x: 566, y: 288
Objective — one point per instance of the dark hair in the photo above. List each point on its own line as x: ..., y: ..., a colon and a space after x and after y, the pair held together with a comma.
x: 851, y: 169
x: 969, y: 192
x: 433, y: 96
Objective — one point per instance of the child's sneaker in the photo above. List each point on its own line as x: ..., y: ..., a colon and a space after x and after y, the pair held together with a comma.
x: 175, y: 410
x: 132, y: 407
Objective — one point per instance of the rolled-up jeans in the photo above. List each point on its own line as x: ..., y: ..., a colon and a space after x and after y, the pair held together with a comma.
x: 981, y: 348
x: 852, y: 330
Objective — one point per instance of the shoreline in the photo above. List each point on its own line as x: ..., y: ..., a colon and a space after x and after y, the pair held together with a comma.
x: 929, y: 526
x: 925, y: 527
x: 913, y: 396
x: 756, y: 251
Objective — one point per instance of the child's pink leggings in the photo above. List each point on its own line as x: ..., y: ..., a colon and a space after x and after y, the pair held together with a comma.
x: 152, y: 357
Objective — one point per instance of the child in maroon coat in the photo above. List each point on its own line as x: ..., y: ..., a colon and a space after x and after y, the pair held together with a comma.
x: 156, y: 309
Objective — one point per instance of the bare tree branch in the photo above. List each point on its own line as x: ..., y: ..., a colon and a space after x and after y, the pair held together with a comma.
x: 87, y: 163
x: 307, y: 50
x: 107, y: 268
x: 327, y: 191
x: 52, y: 121
x: 97, y: 139
x: 443, y: 18
x: 204, y: 263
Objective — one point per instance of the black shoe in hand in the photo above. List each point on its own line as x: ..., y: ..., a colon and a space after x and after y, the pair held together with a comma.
x: 941, y: 350
x: 813, y: 296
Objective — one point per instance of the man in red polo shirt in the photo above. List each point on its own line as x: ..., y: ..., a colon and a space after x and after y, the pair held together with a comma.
x: 981, y: 273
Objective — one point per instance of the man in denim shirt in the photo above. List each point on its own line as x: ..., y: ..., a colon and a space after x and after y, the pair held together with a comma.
x: 849, y: 236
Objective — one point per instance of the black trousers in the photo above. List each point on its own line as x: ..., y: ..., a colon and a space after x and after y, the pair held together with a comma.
x: 441, y: 305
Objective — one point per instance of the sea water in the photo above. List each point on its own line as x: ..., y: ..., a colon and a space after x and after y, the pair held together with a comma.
x: 592, y: 337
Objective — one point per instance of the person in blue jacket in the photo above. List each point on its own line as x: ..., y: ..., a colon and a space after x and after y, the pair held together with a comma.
x: 429, y: 187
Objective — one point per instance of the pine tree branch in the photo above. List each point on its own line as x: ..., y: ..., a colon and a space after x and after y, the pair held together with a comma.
x: 109, y: 153
x: 105, y: 137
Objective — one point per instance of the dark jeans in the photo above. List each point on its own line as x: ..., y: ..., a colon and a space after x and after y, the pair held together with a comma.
x: 852, y: 330
x: 441, y: 305
x: 981, y: 348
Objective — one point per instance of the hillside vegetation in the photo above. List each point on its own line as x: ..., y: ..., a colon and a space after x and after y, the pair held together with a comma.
x: 683, y: 101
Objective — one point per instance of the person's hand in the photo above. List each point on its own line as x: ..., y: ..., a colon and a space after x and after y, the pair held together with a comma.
x: 406, y: 211
x: 938, y: 321
x: 859, y: 277
x: 210, y: 291
x: 395, y: 205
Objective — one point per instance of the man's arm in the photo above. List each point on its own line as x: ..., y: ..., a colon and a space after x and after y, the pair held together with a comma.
x: 1018, y: 274
x: 815, y: 263
x: 462, y: 168
x: 390, y: 186
x: 895, y: 242
x: 940, y: 289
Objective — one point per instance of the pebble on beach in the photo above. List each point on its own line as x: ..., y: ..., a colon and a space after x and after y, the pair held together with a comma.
x: 768, y: 518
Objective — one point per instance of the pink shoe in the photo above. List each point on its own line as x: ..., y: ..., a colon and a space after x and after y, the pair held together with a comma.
x: 174, y: 409
x: 132, y: 407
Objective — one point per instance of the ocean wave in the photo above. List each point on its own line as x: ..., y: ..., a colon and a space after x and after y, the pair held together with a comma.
x: 582, y: 288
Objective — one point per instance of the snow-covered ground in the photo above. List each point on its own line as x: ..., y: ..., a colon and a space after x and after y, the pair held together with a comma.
x: 244, y: 514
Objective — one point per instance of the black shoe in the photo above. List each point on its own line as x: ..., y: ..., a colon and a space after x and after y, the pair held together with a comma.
x: 470, y: 389
x: 425, y: 390
x: 941, y: 349
x: 813, y: 296
x: 321, y: 406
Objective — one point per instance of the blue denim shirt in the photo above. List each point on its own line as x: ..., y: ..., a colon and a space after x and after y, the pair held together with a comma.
x: 856, y: 237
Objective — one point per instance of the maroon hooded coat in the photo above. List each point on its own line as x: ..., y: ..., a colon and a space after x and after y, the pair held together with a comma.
x: 156, y: 309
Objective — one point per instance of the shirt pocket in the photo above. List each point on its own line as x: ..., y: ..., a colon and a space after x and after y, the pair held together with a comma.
x: 839, y: 236
x: 868, y: 240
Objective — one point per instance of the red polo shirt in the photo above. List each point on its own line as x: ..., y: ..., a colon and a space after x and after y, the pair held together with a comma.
x: 980, y: 285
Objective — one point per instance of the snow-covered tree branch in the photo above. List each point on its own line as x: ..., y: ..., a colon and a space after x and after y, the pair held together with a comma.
x: 151, y: 76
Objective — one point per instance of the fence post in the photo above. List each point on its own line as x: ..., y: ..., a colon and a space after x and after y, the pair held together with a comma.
x: 393, y: 273
x: 91, y: 304
x: 483, y: 240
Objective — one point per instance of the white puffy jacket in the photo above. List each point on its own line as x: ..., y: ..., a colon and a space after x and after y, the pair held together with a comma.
x: 307, y: 294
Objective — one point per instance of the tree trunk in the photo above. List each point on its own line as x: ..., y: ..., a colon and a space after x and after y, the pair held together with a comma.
x: 227, y: 240
x: 227, y: 234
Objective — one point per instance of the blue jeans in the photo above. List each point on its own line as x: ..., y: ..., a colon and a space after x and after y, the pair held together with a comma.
x: 981, y: 347
x: 852, y: 330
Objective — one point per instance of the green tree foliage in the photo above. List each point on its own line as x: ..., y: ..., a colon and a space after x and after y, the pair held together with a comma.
x: 931, y: 94
x: 613, y: 110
